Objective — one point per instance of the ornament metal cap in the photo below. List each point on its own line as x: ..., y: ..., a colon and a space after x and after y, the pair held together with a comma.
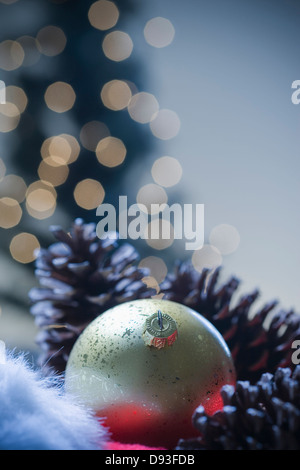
x: 160, y: 330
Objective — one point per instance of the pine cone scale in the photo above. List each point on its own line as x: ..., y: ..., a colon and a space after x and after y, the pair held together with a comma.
x: 263, y: 416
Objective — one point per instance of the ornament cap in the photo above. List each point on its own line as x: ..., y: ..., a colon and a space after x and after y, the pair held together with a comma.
x: 160, y: 330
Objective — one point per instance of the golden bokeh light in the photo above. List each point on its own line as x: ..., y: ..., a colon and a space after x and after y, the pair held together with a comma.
x: 41, y: 199
x: 103, y: 15
x: 225, y: 238
x: 73, y: 145
x: 207, y: 257
x: 111, y: 152
x: 143, y: 107
x: 31, y: 51
x: 11, y: 55
x: 54, y: 170
x: 51, y: 40
x: 59, y: 147
x: 116, y: 95
x: 166, y: 171
x: 23, y: 247
x: 151, y: 283
x: 151, y: 194
x: 9, y: 117
x: 13, y: 186
x: 117, y: 46
x: 40, y: 184
x: 17, y: 96
x: 159, y: 32
x: 60, y: 97
x: 63, y: 146
x: 157, y: 267
x: 91, y: 133
x: 10, y: 212
x: 159, y: 234
x: 89, y: 194
x: 165, y: 125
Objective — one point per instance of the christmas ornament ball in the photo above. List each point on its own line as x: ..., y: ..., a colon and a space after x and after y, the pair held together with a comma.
x: 145, y: 365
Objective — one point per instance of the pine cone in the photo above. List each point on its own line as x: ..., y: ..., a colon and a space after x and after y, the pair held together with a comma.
x: 82, y: 276
x: 263, y: 416
x: 259, y: 342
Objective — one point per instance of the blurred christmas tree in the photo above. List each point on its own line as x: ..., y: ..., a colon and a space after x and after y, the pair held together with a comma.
x: 66, y: 135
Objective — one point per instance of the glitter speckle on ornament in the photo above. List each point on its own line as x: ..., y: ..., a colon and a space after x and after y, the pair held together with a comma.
x: 147, y: 394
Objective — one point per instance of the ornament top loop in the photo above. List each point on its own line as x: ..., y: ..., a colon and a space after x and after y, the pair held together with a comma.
x: 160, y: 330
x: 160, y: 319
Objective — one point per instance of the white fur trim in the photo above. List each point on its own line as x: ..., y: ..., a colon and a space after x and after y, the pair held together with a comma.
x: 36, y: 415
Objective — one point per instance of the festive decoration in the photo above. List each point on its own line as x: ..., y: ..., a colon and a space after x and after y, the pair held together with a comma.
x: 263, y: 416
x: 148, y: 389
x: 35, y: 414
x: 259, y: 342
x: 82, y: 276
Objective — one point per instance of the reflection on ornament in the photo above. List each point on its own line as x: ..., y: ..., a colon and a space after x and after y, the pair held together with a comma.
x: 147, y: 394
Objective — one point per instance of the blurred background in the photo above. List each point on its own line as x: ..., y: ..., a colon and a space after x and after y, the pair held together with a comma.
x: 161, y: 101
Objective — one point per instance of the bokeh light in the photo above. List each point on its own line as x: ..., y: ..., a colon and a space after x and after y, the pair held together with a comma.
x: 23, y: 247
x: 54, y: 170
x: 91, y: 133
x: 160, y: 234
x: 165, y: 125
x: 103, y: 15
x: 166, y: 171
x: 9, y: 117
x: 116, y: 95
x: 207, y: 257
x: 17, y: 96
x: 143, y: 107
x: 51, y: 40
x: 63, y: 146
x: 225, y: 238
x: 151, y: 283
x: 73, y: 145
x: 117, y: 46
x: 11, y: 55
x: 60, y: 97
x: 41, y: 199
x: 89, y: 194
x: 111, y: 151
x: 13, y: 186
x: 10, y: 212
x: 159, y: 32
x: 157, y: 267
x: 151, y: 194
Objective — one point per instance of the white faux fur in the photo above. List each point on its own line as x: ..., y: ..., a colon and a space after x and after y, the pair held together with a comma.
x: 36, y: 415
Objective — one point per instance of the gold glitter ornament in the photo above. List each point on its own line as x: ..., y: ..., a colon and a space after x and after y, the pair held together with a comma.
x: 145, y: 366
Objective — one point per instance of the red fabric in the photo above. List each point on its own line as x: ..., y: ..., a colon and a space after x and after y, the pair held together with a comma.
x: 119, y: 446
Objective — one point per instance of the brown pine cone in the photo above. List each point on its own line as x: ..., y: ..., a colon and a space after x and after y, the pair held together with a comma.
x: 82, y: 276
x: 259, y: 342
x: 263, y: 416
